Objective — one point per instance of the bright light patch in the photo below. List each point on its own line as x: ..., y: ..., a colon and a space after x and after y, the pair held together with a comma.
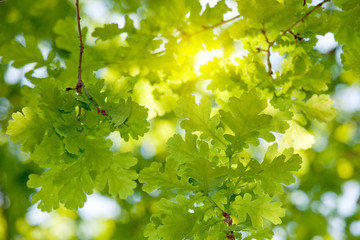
x: 40, y: 73
x: 93, y: 228
x: 329, y: 199
x: 45, y: 48
x: 35, y: 216
x: 12, y: 75
x: 234, y: 10
x: 355, y: 228
x: 336, y: 227
x: 97, y: 11
x: 325, y: 43
x: 347, y: 204
x: 116, y: 139
x: 148, y: 149
x: 347, y: 99
x: 211, y: 3
x: 279, y: 233
x: 300, y: 200
x: 198, y: 97
x: 202, y: 57
x: 276, y: 61
x: 98, y: 206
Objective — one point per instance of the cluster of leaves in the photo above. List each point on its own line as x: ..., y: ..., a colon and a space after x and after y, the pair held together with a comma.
x: 65, y: 133
x: 211, y: 178
x: 212, y: 184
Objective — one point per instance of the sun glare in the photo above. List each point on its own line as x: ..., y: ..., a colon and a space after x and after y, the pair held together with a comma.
x: 202, y: 57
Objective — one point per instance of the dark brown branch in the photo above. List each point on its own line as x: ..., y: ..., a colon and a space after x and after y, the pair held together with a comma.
x: 80, y: 84
x: 303, y: 17
x: 268, y: 54
x: 228, y: 220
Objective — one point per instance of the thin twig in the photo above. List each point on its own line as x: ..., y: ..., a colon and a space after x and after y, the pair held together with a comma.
x: 303, y: 17
x: 205, y: 28
x: 228, y: 220
x: 222, y: 22
x: 80, y: 84
x: 213, y: 202
x: 268, y: 54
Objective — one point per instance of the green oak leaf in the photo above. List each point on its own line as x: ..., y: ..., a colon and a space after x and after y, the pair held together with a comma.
x: 110, y: 31
x: 67, y: 184
x: 215, y: 14
x: 48, y: 151
x: 277, y: 170
x: 27, y: 128
x: 71, y: 130
x: 177, y: 221
x: 257, y: 209
x: 107, y: 32
x: 48, y: 195
x: 97, y: 154
x: 67, y: 38
x: 166, y: 180
x: 319, y: 107
x: 222, y: 77
x: 120, y: 112
x: 351, y: 55
x: 77, y: 183
x: 22, y: 55
x: 183, y: 150
x: 119, y: 179
x: 136, y: 125
x: 261, y: 234
x: 246, y: 121
x: 198, y: 119
x: 206, y: 174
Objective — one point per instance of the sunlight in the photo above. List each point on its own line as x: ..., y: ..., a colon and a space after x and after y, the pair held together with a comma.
x: 202, y: 57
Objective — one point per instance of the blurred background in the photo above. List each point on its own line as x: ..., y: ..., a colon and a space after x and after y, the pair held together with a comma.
x: 322, y: 204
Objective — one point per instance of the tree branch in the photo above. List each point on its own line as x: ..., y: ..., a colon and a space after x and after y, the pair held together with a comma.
x: 222, y: 22
x: 303, y: 17
x: 228, y: 220
x: 288, y: 30
x: 268, y: 54
x: 205, y: 28
x: 80, y: 84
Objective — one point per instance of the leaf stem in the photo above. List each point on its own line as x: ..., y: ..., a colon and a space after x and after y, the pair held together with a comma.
x: 303, y: 17
x: 205, y: 28
x: 268, y: 54
x: 213, y: 202
x: 80, y: 84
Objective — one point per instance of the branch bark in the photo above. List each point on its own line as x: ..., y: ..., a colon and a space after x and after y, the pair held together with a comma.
x: 80, y: 84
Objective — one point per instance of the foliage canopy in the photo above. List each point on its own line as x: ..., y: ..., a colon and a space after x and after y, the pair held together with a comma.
x: 128, y: 106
